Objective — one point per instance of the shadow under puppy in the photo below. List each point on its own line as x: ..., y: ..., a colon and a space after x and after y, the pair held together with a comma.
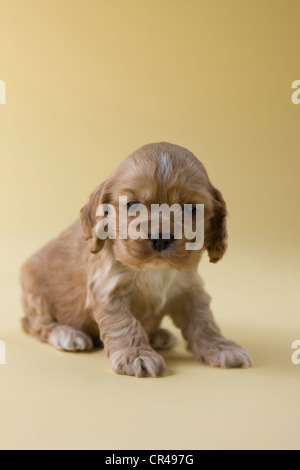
x: 79, y: 288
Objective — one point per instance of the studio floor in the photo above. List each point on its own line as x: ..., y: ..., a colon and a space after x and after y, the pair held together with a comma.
x: 55, y: 400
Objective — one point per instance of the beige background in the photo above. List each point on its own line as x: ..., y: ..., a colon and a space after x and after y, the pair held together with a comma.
x: 87, y: 83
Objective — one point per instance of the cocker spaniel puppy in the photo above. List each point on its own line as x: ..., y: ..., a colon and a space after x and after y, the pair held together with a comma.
x: 80, y: 288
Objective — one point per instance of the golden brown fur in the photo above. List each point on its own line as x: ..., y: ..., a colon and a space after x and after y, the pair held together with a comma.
x: 79, y: 285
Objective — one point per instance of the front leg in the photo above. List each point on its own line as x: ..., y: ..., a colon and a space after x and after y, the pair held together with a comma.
x: 192, y: 314
x: 126, y: 343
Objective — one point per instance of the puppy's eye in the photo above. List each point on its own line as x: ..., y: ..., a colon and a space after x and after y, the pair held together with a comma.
x: 131, y: 203
x: 190, y: 208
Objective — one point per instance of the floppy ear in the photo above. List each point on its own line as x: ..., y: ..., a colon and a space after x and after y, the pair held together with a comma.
x: 216, y: 238
x: 88, y: 219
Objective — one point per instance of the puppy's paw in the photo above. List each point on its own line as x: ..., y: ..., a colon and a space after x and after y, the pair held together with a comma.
x: 224, y: 354
x: 141, y: 362
x: 163, y: 339
x: 66, y: 338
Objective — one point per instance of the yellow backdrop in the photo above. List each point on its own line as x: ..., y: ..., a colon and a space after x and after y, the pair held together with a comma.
x: 87, y: 82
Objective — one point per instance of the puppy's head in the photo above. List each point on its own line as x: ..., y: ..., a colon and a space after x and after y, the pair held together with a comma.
x: 158, y: 174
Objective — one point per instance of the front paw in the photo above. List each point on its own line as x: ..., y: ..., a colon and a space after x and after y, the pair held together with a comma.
x: 139, y: 362
x: 222, y: 353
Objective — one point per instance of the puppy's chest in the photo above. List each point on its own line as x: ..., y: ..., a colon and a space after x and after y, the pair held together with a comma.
x: 151, y: 290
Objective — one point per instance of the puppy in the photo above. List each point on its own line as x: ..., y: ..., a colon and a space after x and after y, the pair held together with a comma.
x: 80, y: 288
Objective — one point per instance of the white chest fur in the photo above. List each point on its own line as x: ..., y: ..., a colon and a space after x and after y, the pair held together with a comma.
x: 152, y: 288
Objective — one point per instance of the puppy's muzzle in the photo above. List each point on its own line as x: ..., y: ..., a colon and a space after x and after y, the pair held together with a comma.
x: 161, y: 241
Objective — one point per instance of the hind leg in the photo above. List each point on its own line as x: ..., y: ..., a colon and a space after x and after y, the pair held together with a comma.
x: 162, y: 339
x: 39, y: 321
x: 66, y: 338
x: 41, y: 324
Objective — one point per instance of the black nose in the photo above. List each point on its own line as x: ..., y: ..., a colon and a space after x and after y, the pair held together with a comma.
x: 161, y: 242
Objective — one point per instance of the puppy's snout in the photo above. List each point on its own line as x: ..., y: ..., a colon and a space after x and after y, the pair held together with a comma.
x: 161, y: 241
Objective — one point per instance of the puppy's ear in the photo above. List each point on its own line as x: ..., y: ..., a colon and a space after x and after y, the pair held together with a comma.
x: 88, y: 218
x: 216, y: 238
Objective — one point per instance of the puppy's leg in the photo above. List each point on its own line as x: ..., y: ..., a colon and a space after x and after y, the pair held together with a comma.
x: 162, y: 339
x: 159, y: 338
x: 204, y: 339
x: 62, y: 337
x: 126, y: 343
x: 39, y: 321
x: 67, y: 338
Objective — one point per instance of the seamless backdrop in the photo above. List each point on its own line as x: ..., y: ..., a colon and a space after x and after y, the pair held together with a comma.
x: 88, y: 81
